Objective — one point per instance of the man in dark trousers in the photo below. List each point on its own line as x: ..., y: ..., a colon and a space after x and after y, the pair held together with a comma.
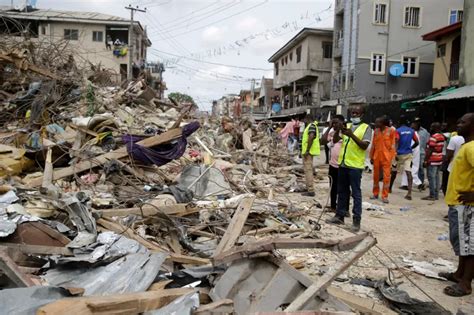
x: 356, y: 138
x: 460, y: 199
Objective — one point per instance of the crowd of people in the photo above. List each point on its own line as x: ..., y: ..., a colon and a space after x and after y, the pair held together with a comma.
x: 397, y: 148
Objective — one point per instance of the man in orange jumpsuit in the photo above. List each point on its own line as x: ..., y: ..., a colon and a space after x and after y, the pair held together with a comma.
x: 381, y: 155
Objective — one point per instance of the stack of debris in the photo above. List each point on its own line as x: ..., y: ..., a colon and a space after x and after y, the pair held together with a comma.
x: 113, y: 201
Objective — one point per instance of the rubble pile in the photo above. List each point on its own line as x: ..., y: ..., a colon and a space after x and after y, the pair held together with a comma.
x: 115, y: 201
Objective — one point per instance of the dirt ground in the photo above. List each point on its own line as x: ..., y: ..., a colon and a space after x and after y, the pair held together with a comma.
x: 411, y: 234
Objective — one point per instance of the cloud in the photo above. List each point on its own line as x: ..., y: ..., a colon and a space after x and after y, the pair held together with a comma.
x: 268, y: 47
x: 249, y: 24
x: 213, y: 34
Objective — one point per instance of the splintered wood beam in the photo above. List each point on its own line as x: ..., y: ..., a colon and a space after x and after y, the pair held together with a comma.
x: 235, y: 226
x: 120, y: 304
x: 12, y: 271
x: 104, y: 158
x: 324, y: 281
x: 272, y: 244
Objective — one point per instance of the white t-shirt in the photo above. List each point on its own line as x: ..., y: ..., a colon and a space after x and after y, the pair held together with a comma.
x: 455, y: 144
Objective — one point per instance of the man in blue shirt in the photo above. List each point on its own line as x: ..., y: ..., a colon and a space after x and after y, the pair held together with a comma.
x: 404, y: 158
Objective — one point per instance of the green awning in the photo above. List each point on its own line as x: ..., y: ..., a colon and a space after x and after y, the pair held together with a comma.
x: 433, y: 97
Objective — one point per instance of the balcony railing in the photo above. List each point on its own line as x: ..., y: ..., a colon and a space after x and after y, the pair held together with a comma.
x: 454, y: 72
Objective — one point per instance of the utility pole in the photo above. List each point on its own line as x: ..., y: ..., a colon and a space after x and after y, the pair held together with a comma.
x: 131, y: 39
x: 252, y: 94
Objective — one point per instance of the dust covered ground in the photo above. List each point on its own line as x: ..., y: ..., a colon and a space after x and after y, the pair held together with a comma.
x: 403, y: 235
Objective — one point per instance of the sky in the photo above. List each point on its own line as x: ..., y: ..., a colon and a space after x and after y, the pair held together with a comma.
x: 212, y: 47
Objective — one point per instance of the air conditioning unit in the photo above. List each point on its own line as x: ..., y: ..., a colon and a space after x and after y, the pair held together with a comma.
x: 396, y: 97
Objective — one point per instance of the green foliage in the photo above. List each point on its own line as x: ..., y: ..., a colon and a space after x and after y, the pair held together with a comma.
x: 181, y: 98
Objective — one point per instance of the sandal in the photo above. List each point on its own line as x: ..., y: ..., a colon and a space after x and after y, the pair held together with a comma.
x: 448, y: 276
x: 456, y: 291
x: 408, y: 197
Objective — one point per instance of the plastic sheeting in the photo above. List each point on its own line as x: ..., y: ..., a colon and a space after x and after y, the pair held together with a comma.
x: 163, y: 153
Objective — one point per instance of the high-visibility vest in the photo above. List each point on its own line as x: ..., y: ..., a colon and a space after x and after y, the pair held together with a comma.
x: 315, y: 147
x: 351, y: 154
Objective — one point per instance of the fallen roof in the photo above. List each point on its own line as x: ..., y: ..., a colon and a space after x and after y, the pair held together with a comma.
x: 437, y: 34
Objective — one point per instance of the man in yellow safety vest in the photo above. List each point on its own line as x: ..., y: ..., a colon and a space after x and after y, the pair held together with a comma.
x: 356, y: 138
x: 310, y: 147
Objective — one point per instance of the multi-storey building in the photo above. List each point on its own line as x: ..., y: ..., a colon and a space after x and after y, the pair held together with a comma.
x: 302, y: 71
x: 92, y: 37
x: 371, y: 36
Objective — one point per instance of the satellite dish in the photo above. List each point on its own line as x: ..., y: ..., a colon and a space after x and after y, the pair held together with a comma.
x: 397, y: 70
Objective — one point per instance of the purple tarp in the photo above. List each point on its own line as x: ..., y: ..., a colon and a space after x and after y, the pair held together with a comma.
x: 163, y: 153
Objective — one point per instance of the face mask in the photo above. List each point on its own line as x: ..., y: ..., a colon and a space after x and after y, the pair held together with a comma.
x: 355, y: 120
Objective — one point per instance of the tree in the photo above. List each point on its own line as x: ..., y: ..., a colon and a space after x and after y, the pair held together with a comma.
x: 182, y: 98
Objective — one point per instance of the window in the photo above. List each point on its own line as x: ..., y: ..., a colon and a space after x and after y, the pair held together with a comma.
x: 343, y: 80
x: 351, y: 79
x: 455, y: 16
x: 282, y: 62
x: 43, y: 30
x: 286, y: 60
x: 276, y: 68
x: 298, y: 54
x: 291, y: 56
x: 411, y: 66
x: 441, y: 51
x: 97, y: 36
x: 71, y: 34
x: 380, y: 13
x: 412, y: 17
x: 327, y: 50
x: 377, y: 64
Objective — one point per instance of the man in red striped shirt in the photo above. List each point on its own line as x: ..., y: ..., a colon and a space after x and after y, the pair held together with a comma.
x: 434, y: 160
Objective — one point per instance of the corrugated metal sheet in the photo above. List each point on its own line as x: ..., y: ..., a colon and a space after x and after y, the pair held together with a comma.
x: 43, y: 14
x: 462, y: 92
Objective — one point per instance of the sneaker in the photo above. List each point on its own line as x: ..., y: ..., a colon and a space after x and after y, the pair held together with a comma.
x: 374, y: 197
x: 385, y: 200
x: 348, y: 214
x: 355, y: 227
x: 422, y: 187
x: 428, y: 198
x: 308, y: 194
x: 335, y: 220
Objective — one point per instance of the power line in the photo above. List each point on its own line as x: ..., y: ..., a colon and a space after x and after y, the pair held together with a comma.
x: 220, y: 20
x: 213, y: 63
x: 204, y: 15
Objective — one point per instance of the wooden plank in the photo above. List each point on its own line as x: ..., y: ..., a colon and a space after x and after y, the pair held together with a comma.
x: 13, y: 272
x: 363, y: 305
x: 121, y: 229
x: 271, y: 244
x: 146, y: 210
x: 235, y: 227
x: 104, y: 158
x: 183, y: 259
x: 39, y: 249
x: 159, y: 285
x: 215, y: 307
x: 324, y: 281
x: 23, y: 64
x: 120, y: 304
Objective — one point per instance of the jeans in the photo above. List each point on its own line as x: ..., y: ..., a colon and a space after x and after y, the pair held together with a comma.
x: 349, y: 179
x: 421, y: 170
x: 433, y: 180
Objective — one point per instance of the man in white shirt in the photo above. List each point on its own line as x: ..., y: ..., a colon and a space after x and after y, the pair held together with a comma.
x: 452, y: 149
